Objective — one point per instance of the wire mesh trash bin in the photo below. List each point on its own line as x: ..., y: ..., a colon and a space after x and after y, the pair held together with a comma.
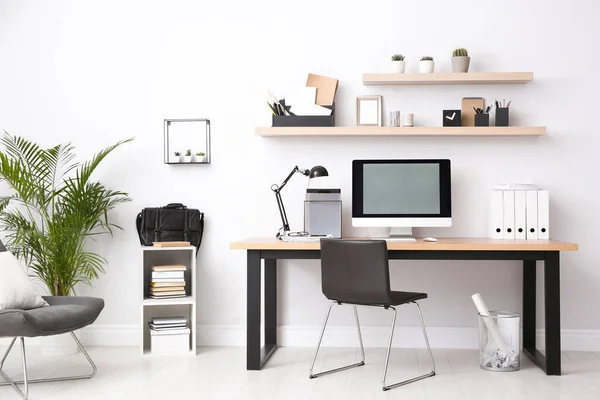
x: 500, y: 341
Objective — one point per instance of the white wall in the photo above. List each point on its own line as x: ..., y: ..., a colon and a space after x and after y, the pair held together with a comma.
x: 96, y: 72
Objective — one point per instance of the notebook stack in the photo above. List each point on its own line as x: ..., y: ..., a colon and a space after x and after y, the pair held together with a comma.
x: 173, y: 325
x: 168, y: 282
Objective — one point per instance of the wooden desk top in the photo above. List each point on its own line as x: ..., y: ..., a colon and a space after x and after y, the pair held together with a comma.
x: 468, y: 244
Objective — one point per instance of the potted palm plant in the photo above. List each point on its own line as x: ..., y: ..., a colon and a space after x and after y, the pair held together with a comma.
x: 54, y: 208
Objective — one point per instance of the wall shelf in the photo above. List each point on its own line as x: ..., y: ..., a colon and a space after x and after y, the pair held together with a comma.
x: 468, y: 78
x: 404, y: 131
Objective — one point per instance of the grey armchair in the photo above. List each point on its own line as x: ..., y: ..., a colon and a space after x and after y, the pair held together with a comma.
x: 63, y: 315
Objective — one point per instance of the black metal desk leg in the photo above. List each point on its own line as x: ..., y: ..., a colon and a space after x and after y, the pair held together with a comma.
x: 271, y: 302
x: 529, y: 295
x: 253, y: 361
x: 552, y: 311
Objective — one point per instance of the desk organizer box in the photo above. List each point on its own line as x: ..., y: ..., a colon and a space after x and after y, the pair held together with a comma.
x: 306, y: 120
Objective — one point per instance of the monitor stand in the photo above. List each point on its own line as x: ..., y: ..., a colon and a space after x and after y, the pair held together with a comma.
x: 392, y: 234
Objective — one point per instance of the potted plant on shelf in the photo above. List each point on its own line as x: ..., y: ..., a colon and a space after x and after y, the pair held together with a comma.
x: 201, y: 157
x: 460, y: 60
x: 54, y: 208
x: 398, y: 63
x: 178, y: 156
x: 188, y: 155
x: 426, y: 65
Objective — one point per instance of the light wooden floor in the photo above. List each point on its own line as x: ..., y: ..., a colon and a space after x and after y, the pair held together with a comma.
x: 219, y: 373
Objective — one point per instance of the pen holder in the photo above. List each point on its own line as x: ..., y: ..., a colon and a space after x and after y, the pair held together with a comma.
x: 482, y: 119
x: 502, y: 116
x: 305, y: 120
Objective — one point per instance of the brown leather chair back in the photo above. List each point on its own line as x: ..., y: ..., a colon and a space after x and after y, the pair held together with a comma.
x: 355, y: 271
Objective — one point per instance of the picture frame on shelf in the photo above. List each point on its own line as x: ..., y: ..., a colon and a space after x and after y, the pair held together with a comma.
x: 369, y: 110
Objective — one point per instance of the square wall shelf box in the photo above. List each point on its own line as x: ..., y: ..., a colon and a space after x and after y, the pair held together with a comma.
x: 182, y: 135
x: 305, y: 120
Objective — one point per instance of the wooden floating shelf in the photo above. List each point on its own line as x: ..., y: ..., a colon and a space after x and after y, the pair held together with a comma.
x: 468, y: 78
x: 404, y: 131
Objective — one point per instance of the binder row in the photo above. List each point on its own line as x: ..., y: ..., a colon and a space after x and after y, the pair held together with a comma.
x: 520, y: 214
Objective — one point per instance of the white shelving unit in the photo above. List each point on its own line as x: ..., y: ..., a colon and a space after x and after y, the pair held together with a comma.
x: 184, y: 306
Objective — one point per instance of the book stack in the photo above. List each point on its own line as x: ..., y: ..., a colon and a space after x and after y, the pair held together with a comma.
x: 167, y: 282
x: 173, y: 325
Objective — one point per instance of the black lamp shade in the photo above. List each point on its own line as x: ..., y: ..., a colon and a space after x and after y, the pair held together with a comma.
x: 317, y: 172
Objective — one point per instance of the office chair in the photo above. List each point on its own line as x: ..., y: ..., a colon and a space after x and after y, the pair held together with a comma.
x: 356, y: 273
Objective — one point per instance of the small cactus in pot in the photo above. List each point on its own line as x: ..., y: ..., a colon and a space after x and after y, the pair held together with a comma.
x: 426, y: 65
x: 460, y: 60
x: 398, y: 63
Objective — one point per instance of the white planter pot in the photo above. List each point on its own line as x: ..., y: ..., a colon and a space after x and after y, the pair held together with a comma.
x: 461, y: 64
x: 59, y: 345
x: 176, y: 159
x: 201, y: 158
x: 398, y: 67
x: 426, y: 67
x: 187, y: 159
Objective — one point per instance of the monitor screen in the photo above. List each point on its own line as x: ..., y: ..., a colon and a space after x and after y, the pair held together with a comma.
x: 401, y: 189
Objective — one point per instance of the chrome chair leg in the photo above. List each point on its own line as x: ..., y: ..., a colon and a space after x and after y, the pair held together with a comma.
x: 387, y: 358
x: 362, y: 349
x: 27, y: 381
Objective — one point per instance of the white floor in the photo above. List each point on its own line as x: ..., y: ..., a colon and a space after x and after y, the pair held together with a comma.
x: 219, y: 373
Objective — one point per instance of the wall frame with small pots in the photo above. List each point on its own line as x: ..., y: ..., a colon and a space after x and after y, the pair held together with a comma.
x: 187, y: 141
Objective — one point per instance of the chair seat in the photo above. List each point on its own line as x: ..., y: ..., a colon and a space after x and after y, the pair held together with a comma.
x: 64, y: 314
x: 396, y: 299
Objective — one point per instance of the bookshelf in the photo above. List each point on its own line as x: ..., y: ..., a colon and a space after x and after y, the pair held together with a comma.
x: 172, y: 307
x: 371, y: 131
x: 468, y: 78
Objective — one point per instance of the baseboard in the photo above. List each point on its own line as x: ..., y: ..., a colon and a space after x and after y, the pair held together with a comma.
x: 336, y: 336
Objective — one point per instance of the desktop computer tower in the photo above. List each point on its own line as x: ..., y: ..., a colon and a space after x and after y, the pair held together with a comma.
x: 323, y: 212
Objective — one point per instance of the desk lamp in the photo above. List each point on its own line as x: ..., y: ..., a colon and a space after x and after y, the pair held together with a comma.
x: 315, y: 172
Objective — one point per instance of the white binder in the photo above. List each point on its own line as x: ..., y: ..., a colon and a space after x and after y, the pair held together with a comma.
x: 520, y: 215
x: 496, y: 215
x: 508, y: 200
x: 543, y: 202
x: 532, y: 214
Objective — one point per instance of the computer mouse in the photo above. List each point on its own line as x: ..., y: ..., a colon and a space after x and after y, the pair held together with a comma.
x: 429, y: 239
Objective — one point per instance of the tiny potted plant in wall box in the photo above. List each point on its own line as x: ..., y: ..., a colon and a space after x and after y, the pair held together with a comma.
x: 177, y: 156
x: 201, y: 157
x: 398, y: 63
x: 188, y: 155
x: 460, y: 60
x: 426, y: 65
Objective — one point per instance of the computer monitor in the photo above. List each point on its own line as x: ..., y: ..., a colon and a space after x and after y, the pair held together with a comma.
x: 400, y: 194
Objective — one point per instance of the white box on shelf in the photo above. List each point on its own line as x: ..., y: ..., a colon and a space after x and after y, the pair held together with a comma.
x: 509, y: 214
x: 170, y: 342
x: 520, y: 215
x: 531, y: 197
x: 543, y: 214
x: 496, y: 215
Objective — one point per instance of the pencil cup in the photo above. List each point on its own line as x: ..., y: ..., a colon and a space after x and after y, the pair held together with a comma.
x: 502, y: 116
x: 394, y: 118
x: 482, y: 119
x: 499, y: 341
x: 408, y: 119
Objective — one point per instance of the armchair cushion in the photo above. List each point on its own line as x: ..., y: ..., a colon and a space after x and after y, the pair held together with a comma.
x: 16, y: 289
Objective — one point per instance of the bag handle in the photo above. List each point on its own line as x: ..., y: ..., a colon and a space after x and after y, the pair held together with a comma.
x: 174, y: 206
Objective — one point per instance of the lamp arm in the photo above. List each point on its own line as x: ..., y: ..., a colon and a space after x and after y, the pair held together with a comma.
x: 277, y: 190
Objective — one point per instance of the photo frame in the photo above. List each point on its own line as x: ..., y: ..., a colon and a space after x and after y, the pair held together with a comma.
x: 369, y: 110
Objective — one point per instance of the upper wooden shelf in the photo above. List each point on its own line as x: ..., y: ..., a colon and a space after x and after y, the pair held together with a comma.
x: 396, y: 131
x: 468, y: 78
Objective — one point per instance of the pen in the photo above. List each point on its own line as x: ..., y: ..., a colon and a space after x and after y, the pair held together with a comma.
x: 508, y: 105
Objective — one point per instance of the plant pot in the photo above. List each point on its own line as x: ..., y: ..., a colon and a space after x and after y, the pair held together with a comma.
x: 187, y: 159
x: 426, y: 67
x: 461, y: 64
x: 176, y: 158
x: 59, y: 345
x: 398, y: 67
x: 201, y: 159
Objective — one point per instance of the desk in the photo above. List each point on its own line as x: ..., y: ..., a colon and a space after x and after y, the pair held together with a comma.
x: 528, y: 251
